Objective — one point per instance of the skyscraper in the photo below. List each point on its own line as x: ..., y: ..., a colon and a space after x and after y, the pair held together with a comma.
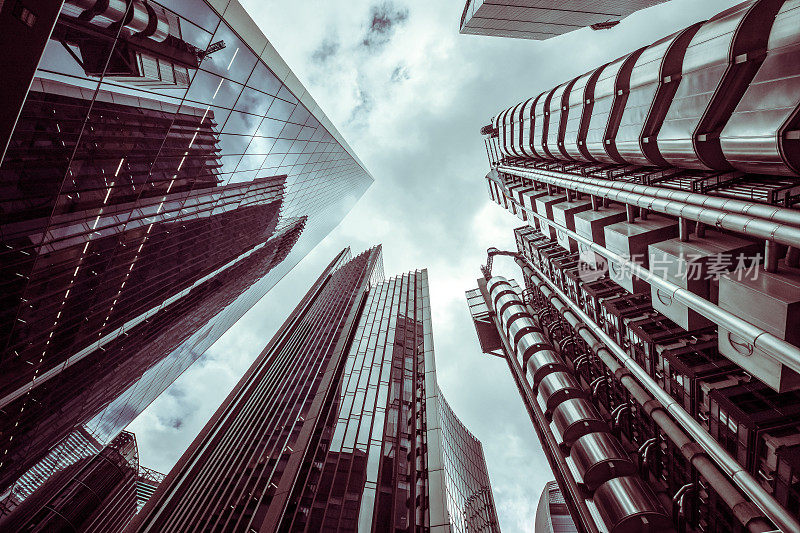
x: 552, y: 514
x: 655, y: 339
x: 544, y: 19
x: 339, y: 424
x: 93, y: 494
x: 162, y: 168
x: 76, y: 446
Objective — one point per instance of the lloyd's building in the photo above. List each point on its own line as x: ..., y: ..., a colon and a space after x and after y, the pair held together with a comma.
x: 161, y: 169
x: 656, y: 340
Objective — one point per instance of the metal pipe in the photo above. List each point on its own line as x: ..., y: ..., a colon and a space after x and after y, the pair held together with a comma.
x: 550, y: 446
x: 700, y: 230
x: 765, y: 228
x: 612, y: 355
x: 793, y: 257
x: 630, y: 213
x: 782, y: 351
x: 771, y: 254
x: 771, y: 213
x: 683, y: 229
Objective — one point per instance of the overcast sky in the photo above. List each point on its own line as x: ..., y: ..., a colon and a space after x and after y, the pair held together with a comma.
x: 410, y: 95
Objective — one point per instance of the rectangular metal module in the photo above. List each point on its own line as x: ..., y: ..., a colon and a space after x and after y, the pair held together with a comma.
x: 630, y: 240
x: 770, y: 300
x: 542, y: 19
x: 695, y: 266
x: 564, y: 214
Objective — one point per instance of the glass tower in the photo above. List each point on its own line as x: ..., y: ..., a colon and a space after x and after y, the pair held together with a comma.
x: 93, y: 494
x: 339, y: 424
x: 161, y: 171
x: 552, y: 513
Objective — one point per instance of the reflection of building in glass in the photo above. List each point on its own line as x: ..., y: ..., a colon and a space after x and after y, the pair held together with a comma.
x: 543, y: 19
x: 552, y: 514
x: 655, y: 341
x: 339, y: 423
x: 76, y: 446
x: 71, y: 465
x: 94, y: 494
x: 159, y: 176
x: 147, y: 482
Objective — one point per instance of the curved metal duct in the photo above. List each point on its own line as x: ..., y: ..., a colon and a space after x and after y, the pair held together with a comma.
x: 600, y: 457
x: 541, y: 364
x: 712, y: 81
x: 575, y: 418
x: 769, y: 145
x: 557, y: 387
x: 612, y: 354
x: 649, y: 96
x: 692, y: 95
x: 580, y: 104
x: 625, y: 514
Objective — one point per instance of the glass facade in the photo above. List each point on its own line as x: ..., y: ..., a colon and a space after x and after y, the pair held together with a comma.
x: 364, y: 442
x: 76, y: 446
x: 95, y: 494
x: 164, y: 170
x: 552, y: 514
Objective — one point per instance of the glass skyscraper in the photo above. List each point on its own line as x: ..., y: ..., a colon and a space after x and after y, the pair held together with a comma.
x: 338, y: 425
x: 96, y: 494
x: 162, y: 168
x: 552, y: 513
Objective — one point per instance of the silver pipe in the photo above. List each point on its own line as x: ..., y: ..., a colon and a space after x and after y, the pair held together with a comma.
x: 630, y: 213
x: 700, y: 230
x: 767, y: 212
x: 793, y: 257
x: 541, y: 424
x: 747, y: 223
x: 782, y: 351
x: 741, y: 478
x: 683, y: 229
x: 771, y: 253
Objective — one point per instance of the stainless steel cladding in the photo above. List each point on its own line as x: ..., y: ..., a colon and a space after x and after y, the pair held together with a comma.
x: 719, y: 95
x: 580, y: 429
x: 580, y: 104
x: 540, y: 364
x: 718, y: 65
x: 610, y: 96
x: 651, y: 90
x: 575, y: 418
x: 600, y: 457
x: 559, y: 386
x: 762, y: 134
x: 623, y: 513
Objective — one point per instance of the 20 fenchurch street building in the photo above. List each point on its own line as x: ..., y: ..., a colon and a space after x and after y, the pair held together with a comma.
x: 339, y: 425
x: 655, y: 341
x: 161, y: 169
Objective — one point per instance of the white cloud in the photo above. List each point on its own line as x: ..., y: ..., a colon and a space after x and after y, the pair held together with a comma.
x: 418, y: 134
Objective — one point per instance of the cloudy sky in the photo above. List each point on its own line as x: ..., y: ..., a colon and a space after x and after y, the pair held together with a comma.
x: 410, y: 94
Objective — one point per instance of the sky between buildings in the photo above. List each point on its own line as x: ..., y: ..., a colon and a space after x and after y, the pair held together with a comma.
x: 410, y: 94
